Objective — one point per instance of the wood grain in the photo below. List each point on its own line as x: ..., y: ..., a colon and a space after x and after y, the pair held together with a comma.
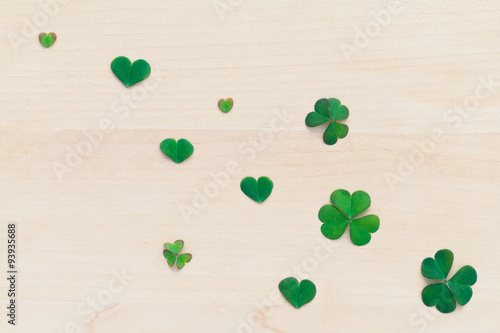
x: 421, y: 110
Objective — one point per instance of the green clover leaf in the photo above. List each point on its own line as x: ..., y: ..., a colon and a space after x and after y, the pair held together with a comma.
x: 47, y: 39
x: 225, y: 105
x: 329, y: 110
x: 130, y: 73
x: 171, y: 253
x: 298, y: 294
x: 259, y: 190
x: 176, y: 247
x: 444, y: 295
x: 178, y: 151
x: 342, y: 212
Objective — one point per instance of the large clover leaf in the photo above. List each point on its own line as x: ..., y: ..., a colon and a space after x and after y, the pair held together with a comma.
x: 342, y: 212
x: 329, y: 110
x: 444, y: 295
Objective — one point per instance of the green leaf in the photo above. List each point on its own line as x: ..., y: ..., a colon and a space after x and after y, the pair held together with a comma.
x: 460, y: 284
x: 321, y: 106
x: 342, y: 200
x: 361, y: 229
x: 458, y: 287
x: 330, y: 136
x: 170, y: 257
x: 129, y: 73
x: 259, y: 190
x: 360, y: 201
x: 334, y: 221
x: 47, y: 39
x: 343, y: 211
x: 183, y: 259
x: 341, y: 129
x: 176, y: 247
x: 177, y: 151
x: 298, y: 294
x: 314, y: 119
x: 439, y: 267
x: 329, y: 111
x: 439, y: 294
x: 225, y: 105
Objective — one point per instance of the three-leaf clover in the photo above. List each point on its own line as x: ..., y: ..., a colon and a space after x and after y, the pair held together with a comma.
x: 444, y: 295
x: 297, y: 293
x: 342, y: 212
x: 329, y: 110
x: 171, y: 253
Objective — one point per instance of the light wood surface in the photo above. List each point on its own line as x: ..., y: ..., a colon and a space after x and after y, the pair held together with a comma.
x: 418, y: 72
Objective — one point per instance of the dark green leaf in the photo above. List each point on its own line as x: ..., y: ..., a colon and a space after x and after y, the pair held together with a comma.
x: 298, y: 294
x: 439, y: 267
x: 330, y: 136
x: 322, y: 108
x: 129, y: 73
x: 341, y: 129
x: 439, y: 294
x: 360, y: 201
x: 314, y: 119
x: 177, y: 151
x: 259, y: 190
x: 460, y: 284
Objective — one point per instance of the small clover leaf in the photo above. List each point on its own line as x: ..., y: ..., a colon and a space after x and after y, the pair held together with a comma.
x: 298, y: 294
x: 177, y: 151
x: 171, y: 253
x: 257, y: 190
x: 329, y: 110
x: 444, y: 295
x: 342, y: 212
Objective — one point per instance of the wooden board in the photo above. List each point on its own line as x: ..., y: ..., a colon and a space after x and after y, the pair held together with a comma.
x: 94, y: 198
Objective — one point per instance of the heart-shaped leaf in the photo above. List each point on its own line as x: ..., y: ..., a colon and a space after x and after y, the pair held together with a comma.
x: 439, y: 294
x: 437, y: 268
x: 129, y: 73
x: 47, y: 39
x: 342, y: 212
x: 176, y: 247
x: 225, y: 105
x: 178, y: 151
x: 329, y: 110
x: 170, y: 257
x: 183, y: 259
x: 298, y: 294
x: 257, y: 190
x: 460, y: 284
x: 446, y: 294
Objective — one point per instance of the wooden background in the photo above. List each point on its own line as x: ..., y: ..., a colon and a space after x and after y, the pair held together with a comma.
x: 421, y: 80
